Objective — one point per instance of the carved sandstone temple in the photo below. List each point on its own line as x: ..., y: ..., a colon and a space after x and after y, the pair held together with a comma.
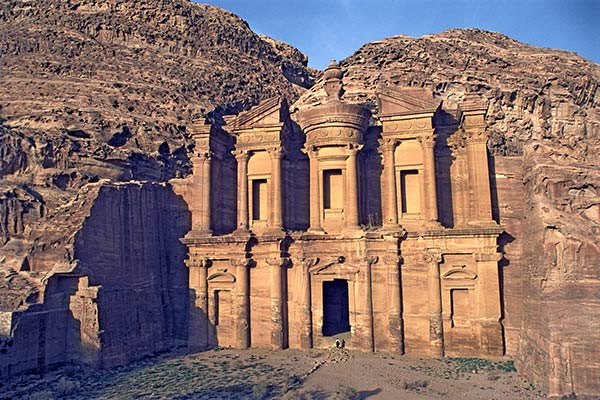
x: 333, y: 222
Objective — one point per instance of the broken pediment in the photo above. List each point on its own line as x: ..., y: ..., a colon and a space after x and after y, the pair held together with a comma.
x: 271, y: 112
x: 406, y: 101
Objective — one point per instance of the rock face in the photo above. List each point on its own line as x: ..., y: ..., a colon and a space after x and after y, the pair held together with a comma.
x: 98, y: 92
x: 544, y: 125
x: 95, y: 93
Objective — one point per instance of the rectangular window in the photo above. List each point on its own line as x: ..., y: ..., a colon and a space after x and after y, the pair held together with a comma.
x: 411, y: 192
x: 259, y: 199
x: 333, y: 189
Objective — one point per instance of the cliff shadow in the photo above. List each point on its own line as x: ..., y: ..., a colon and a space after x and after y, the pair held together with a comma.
x: 445, y: 126
x: 369, y: 179
x: 296, y: 173
x: 493, y: 188
x: 129, y: 247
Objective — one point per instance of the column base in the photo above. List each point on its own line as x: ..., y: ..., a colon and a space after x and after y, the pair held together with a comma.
x: 490, y: 223
x: 278, y: 232
x: 199, y: 233
x: 241, y: 232
x: 316, y: 231
x: 391, y: 228
x: 353, y: 231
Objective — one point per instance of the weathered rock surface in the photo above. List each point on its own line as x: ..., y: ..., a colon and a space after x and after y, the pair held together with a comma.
x: 544, y: 124
x: 95, y: 90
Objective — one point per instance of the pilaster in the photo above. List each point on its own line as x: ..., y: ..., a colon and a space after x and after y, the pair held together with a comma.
x: 432, y: 260
x: 198, y: 326
x: 396, y: 323
x: 242, y: 303
x: 242, y: 178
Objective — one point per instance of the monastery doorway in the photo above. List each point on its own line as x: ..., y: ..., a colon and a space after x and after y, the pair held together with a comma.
x: 336, y: 309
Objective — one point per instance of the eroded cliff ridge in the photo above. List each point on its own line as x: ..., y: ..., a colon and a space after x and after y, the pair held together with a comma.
x: 98, y: 95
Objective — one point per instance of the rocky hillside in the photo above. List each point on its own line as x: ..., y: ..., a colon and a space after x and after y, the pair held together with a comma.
x: 109, y: 86
x: 102, y: 91
x: 105, y: 89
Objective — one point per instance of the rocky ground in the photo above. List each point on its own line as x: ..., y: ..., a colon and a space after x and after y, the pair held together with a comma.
x: 287, y: 374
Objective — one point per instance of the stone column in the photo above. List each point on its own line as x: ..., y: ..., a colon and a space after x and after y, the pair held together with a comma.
x: 242, y: 314
x: 276, y: 212
x: 242, y: 178
x: 430, y: 213
x: 491, y: 338
x: 351, y: 189
x: 205, y: 214
x: 306, y: 330
x: 390, y: 190
x: 436, y: 330
x: 395, y: 304
x: 479, y: 177
x: 198, y: 328
x: 315, y: 193
x: 367, y: 338
x: 277, y: 329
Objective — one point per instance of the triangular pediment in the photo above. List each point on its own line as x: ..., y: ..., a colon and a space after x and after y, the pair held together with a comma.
x: 406, y: 101
x: 269, y: 112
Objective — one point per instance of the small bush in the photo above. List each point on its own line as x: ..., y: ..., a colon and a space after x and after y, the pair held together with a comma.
x: 347, y: 393
x: 416, y: 385
x: 66, y: 387
x: 291, y: 383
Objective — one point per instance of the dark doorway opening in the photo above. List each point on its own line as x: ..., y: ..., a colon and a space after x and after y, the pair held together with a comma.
x: 336, y: 310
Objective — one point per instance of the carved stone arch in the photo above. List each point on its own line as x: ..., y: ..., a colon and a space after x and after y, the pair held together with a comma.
x: 222, y: 277
x: 460, y: 273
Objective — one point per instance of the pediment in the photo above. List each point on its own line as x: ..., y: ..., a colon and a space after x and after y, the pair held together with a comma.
x: 406, y: 101
x: 221, y: 277
x: 269, y: 112
x: 460, y: 273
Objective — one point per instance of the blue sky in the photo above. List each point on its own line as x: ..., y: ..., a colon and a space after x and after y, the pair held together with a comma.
x: 335, y: 29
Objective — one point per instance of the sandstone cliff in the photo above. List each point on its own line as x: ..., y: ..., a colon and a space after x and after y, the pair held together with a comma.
x: 97, y: 92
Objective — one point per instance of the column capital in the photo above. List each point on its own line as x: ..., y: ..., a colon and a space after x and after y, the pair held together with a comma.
x: 427, y: 140
x: 432, y: 256
x: 241, y: 155
x: 198, y: 262
x: 353, y: 148
x: 392, y: 260
x: 311, y: 151
x: 204, y: 154
x: 388, y: 144
x: 241, y: 262
x: 276, y: 152
x: 278, y: 261
x: 476, y: 135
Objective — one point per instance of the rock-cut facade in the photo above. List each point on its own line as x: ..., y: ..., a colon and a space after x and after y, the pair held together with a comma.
x: 334, y: 222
